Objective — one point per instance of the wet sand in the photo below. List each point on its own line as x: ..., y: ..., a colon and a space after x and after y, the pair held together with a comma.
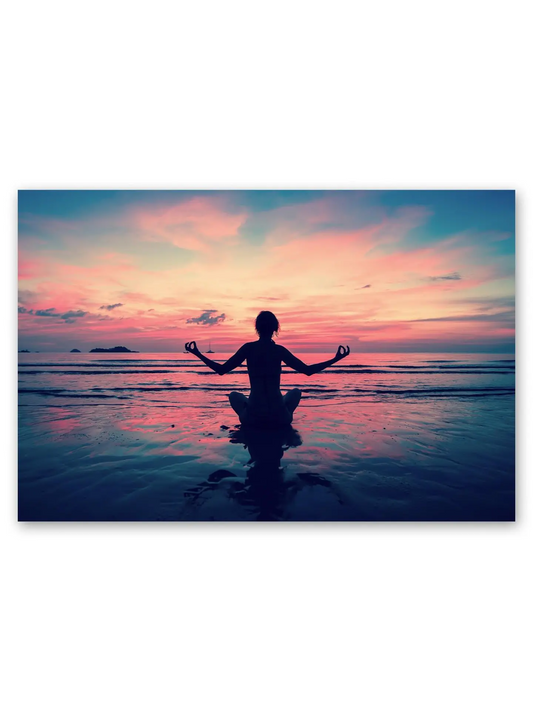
x: 401, y: 460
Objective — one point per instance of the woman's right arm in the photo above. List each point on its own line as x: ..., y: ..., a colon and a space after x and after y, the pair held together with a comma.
x: 296, y: 364
x: 220, y: 368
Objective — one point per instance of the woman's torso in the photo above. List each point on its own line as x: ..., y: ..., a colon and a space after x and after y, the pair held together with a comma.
x: 264, y: 370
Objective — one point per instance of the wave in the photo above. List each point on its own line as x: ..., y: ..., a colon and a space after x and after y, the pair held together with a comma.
x: 446, y: 360
x: 123, y: 363
x: 447, y: 391
x: 66, y: 393
x: 100, y: 392
x: 68, y: 367
x: 144, y: 360
x: 476, y: 365
x: 466, y: 370
x: 93, y: 372
x: 502, y: 360
x: 328, y: 392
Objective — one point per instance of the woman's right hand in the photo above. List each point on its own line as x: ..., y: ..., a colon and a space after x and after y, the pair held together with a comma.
x: 342, y: 352
x: 191, y: 348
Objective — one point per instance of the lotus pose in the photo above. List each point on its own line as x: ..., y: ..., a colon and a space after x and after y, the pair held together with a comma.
x: 266, y: 406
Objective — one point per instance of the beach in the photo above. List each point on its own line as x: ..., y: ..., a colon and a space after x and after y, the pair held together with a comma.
x: 378, y: 437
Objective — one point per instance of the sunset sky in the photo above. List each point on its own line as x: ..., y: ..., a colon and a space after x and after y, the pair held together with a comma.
x: 380, y: 270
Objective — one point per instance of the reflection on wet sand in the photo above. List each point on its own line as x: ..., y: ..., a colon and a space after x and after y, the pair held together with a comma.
x: 394, y: 460
x: 265, y: 493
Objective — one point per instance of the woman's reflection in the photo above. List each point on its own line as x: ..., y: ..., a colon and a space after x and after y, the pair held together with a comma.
x: 265, y: 492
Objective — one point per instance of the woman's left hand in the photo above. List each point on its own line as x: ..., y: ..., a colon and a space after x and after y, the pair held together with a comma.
x: 342, y: 352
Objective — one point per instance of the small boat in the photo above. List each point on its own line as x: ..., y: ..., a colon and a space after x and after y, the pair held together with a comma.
x: 210, y: 351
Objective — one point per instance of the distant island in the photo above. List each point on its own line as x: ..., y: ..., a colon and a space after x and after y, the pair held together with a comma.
x: 75, y: 350
x: 116, y: 349
x: 24, y: 351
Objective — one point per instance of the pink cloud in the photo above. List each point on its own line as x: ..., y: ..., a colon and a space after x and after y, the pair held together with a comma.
x: 194, y: 224
x: 29, y: 267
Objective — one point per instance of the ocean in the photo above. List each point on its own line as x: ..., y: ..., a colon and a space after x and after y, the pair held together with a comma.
x: 151, y: 436
x: 167, y: 379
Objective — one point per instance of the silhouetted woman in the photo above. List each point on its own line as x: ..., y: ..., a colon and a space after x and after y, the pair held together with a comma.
x: 266, y: 406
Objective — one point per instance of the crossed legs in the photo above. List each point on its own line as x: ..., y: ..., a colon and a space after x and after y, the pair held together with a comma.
x: 239, y: 403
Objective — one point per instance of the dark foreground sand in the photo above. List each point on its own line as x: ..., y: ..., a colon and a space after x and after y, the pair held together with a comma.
x: 412, y: 459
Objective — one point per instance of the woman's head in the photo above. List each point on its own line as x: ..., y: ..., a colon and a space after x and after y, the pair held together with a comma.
x: 266, y: 324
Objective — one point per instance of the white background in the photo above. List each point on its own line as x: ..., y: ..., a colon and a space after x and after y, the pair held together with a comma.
x: 265, y: 95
